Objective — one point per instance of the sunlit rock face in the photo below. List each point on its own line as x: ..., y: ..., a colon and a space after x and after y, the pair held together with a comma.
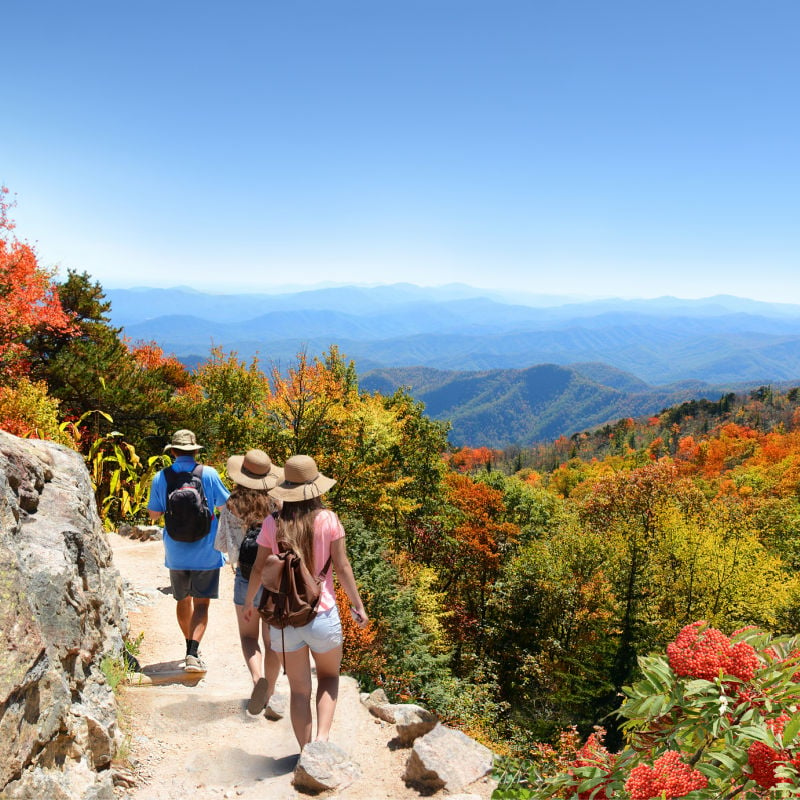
x: 61, y: 611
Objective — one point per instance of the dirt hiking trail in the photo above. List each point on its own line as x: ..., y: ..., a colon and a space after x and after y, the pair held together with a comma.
x: 192, y: 739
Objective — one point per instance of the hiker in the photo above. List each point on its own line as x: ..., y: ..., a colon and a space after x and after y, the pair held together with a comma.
x: 187, y: 494
x: 317, y: 536
x: 239, y: 523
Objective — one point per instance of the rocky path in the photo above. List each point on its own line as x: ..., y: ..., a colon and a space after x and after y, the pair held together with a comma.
x: 192, y: 740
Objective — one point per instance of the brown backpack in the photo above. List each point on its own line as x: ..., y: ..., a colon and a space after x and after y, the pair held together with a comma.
x: 290, y: 592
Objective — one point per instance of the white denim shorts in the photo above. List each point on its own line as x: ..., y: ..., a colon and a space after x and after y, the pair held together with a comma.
x: 323, y: 633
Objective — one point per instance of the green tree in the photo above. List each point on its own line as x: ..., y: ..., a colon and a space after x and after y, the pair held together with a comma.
x: 551, y: 633
x: 417, y: 454
x: 629, y: 508
x: 231, y: 413
x: 97, y: 370
x: 415, y: 668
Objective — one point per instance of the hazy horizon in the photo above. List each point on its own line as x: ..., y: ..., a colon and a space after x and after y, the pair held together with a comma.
x: 523, y: 298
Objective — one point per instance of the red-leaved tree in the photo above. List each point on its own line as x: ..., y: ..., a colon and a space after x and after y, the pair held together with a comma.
x: 28, y: 298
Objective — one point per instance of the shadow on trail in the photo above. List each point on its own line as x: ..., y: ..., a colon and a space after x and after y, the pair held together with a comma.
x: 236, y: 766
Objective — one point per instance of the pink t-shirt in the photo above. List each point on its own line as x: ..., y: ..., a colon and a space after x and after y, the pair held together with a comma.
x: 327, y: 529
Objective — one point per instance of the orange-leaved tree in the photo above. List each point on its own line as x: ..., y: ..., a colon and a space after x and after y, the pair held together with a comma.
x: 363, y: 658
x: 309, y: 403
x: 28, y: 299
x: 470, y: 459
x: 468, y: 555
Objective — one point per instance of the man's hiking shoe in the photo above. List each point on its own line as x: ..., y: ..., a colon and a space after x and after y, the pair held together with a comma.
x: 258, y: 698
x: 276, y: 707
x: 194, y: 664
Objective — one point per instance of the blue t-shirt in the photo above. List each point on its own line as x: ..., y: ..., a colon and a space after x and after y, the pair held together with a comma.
x: 190, y: 555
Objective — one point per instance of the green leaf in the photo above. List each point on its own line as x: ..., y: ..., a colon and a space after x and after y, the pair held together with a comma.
x: 661, y: 669
x: 758, y: 733
x: 599, y: 777
x: 726, y: 761
x: 698, y: 686
x: 791, y: 729
x: 712, y: 771
x: 653, y: 705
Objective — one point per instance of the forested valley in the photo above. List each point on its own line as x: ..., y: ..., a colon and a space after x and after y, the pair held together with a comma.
x: 519, y: 593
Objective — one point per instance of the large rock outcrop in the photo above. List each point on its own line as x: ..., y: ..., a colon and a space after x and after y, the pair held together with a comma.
x: 61, y: 612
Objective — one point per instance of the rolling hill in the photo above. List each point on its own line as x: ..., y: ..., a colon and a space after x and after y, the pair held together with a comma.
x: 498, y: 408
x: 502, y: 371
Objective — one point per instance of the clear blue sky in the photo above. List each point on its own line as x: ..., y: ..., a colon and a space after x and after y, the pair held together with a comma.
x: 600, y: 147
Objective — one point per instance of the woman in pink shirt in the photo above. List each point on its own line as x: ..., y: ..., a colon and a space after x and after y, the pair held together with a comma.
x: 317, y: 536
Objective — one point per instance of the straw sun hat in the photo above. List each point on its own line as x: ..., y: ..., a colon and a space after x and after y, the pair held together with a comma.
x: 302, y: 481
x: 254, y: 470
x: 183, y: 440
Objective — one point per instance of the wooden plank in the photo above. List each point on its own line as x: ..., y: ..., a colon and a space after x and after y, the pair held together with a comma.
x: 161, y: 677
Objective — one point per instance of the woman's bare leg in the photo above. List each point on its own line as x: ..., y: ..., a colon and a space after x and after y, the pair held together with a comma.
x: 251, y: 647
x: 298, y: 671
x: 328, y: 665
x: 272, y: 663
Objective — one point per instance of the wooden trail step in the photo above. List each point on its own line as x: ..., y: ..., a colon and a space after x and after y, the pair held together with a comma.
x: 160, y: 677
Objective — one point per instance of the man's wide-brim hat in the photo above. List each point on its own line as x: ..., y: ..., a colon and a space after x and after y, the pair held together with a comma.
x: 301, y: 481
x: 183, y: 440
x: 254, y: 470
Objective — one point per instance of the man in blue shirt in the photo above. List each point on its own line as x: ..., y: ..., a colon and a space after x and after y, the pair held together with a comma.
x: 193, y: 566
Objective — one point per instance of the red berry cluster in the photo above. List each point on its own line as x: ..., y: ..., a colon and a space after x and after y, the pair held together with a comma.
x: 701, y: 652
x: 594, y: 754
x: 763, y: 759
x: 668, y: 778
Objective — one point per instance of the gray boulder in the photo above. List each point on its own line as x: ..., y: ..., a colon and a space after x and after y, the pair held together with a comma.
x: 413, y: 721
x: 447, y: 759
x: 324, y: 766
x: 61, y: 612
x: 142, y: 533
x: 379, y: 706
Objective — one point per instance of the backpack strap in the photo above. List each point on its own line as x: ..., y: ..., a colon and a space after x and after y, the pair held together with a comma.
x: 170, y: 476
x: 323, y: 573
x: 284, y: 582
x: 197, y: 472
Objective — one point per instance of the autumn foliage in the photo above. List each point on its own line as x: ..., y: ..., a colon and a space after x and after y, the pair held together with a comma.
x: 28, y: 299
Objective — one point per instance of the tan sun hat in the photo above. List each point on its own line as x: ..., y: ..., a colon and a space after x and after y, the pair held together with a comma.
x: 254, y: 470
x: 302, y: 481
x: 183, y: 440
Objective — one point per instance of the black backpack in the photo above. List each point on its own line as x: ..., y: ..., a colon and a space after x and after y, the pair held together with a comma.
x: 248, y: 550
x: 188, y: 517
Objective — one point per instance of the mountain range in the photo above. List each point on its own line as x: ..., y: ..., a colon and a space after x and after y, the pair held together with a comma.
x: 502, y: 370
